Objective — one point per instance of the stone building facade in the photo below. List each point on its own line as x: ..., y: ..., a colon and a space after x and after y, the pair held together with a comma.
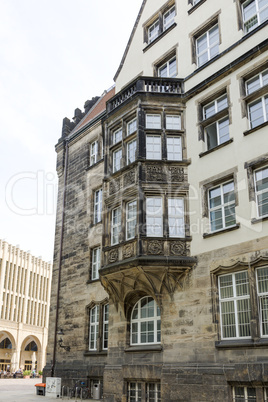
x: 25, y: 285
x: 161, y: 250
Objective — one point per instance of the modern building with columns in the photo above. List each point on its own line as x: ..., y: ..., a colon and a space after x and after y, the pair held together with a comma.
x: 25, y: 283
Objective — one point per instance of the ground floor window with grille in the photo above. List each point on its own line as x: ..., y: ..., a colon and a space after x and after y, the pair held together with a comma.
x: 136, y: 390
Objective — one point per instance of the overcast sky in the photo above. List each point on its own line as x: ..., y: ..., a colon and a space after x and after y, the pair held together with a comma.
x: 55, y: 54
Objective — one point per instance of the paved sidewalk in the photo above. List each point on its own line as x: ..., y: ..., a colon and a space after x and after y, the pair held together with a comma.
x: 23, y: 390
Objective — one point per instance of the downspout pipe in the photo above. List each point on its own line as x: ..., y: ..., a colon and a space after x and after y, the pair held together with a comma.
x: 60, y: 257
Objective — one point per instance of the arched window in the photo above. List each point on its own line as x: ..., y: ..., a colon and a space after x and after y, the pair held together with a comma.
x: 6, y: 344
x: 31, y: 347
x: 145, y: 322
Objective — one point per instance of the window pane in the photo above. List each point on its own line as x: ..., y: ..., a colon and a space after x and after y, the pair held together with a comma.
x: 174, y: 151
x: 173, y: 122
x: 228, y: 319
x: 153, y: 121
x: 262, y: 275
x: 212, y: 140
x: 226, y: 286
x: 146, y: 327
x: 223, y: 130
x: 256, y: 115
x: 153, y: 147
x: 243, y: 315
x: 131, y: 126
x: 131, y: 151
x: 169, y: 17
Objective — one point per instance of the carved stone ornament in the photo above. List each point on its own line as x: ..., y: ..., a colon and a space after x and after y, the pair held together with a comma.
x: 154, y: 173
x: 155, y: 247
x: 113, y: 256
x: 176, y: 174
x: 179, y: 248
x: 128, y: 251
x: 129, y: 178
x: 114, y: 186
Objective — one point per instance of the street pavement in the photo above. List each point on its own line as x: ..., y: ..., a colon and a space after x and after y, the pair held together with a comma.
x: 23, y: 390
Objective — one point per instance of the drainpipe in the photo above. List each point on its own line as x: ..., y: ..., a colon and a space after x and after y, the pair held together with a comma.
x: 60, y: 257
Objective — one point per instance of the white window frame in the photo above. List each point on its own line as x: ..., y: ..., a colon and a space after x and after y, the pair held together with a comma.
x: 262, y: 291
x: 173, y: 122
x: 117, y: 157
x: 167, y: 20
x: 247, y: 398
x: 174, y: 148
x: 236, y: 300
x: 168, y: 66
x: 98, y: 206
x: 115, y: 225
x: 216, y: 106
x: 154, y: 217
x: 258, y: 81
x: 131, y: 153
x: 153, y: 147
x: 131, y: 219
x: 105, y: 326
x: 153, y: 31
x: 156, y: 397
x: 255, y: 19
x: 220, y: 134
x: 259, y: 193
x: 221, y: 206
x: 132, y: 126
x: 117, y: 135
x: 209, y: 46
x: 134, y: 391
x: 264, y: 113
x: 176, y: 213
x: 95, y: 264
x: 93, y: 152
x: 94, y: 327
x: 153, y: 121
x: 140, y: 322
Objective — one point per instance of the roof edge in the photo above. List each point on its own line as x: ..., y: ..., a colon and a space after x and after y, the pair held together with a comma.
x: 129, y: 41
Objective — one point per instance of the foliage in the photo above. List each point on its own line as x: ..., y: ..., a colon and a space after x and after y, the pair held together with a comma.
x: 26, y: 372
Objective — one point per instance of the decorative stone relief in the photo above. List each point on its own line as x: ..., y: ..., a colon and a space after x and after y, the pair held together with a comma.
x: 154, y: 173
x: 114, y: 186
x: 128, y: 250
x: 129, y: 178
x: 113, y: 256
x: 179, y: 248
x: 176, y: 174
x: 155, y: 247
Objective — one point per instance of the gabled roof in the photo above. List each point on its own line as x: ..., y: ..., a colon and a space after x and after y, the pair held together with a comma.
x: 98, y: 108
x: 130, y: 40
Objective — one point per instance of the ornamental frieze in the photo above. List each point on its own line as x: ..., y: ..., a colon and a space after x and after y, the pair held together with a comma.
x: 113, y: 256
x: 176, y: 174
x: 179, y: 248
x: 129, y: 178
x: 155, y: 247
x: 128, y: 251
x: 154, y: 173
x: 114, y: 186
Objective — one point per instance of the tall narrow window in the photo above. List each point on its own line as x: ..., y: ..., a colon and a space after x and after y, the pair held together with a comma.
x: 222, y: 206
x: 117, y: 136
x: 96, y: 254
x: 176, y: 217
x: 97, y: 206
x: 93, y: 152
x: 116, y: 225
x: 131, y: 219
x: 153, y: 392
x: 131, y: 126
x: 153, y: 31
x: 131, y: 151
x: 134, y: 392
x: 258, y: 111
x: 261, y: 191
x: 145, y: 322
x: 262, y: 287
x: 235, y: 307
x: 105, y: 325
x: 154, y: 217
x: 153, y: 147
x: 117, y: 157
x: 255, y: 12
x: 217, y: 133
x: 207, y: 45
x: 169, y: 17
x: 94, y: 328
x: 168, y: 69
x: 174, y: 152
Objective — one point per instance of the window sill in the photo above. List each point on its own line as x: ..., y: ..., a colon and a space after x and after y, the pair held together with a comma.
x: 144, y: 348
x: 216, y: 148
x: 206, y: 235
x: 258, y: 220
x: 196, y: 6
x: 92, y: 281
x: 95, y: 353
x: 159, y: 37
x: 241, y: 343
x: 95, y: 164
x: 252, y: 130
